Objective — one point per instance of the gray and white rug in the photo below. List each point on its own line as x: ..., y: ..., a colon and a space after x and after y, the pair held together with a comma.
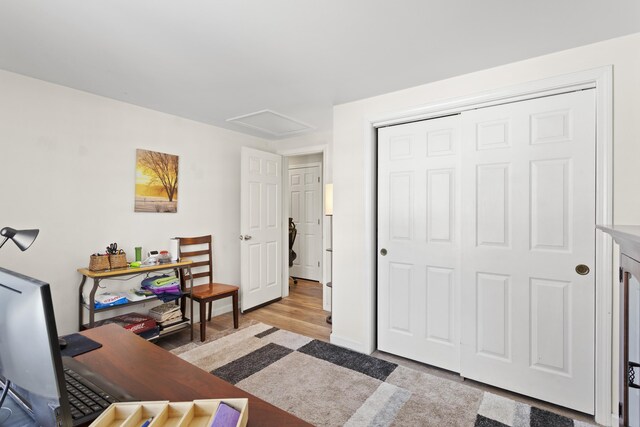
x: 327, y: 385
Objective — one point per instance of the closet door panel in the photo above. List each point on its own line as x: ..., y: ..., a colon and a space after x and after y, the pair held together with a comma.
x: 529, y: 176
x: 419, y: 236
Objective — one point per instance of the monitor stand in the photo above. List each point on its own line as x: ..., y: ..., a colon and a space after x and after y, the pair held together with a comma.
x: 13, y: 414
x: 5, y: 413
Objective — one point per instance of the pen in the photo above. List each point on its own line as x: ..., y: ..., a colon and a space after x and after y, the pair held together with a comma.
x: 147, y: 422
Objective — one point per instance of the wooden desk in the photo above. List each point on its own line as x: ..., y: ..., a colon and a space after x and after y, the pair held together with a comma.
x: 152, y: 373
x: 98, y: 276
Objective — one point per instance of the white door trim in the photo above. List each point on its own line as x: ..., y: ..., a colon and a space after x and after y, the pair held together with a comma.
x: 301, y: 151
x: 305, y: 165
x: 602, y: 80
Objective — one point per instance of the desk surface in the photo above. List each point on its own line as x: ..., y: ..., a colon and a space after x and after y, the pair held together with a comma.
x: 152, y: 373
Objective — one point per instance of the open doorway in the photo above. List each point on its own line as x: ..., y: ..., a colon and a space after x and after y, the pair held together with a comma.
x: 303, y: 200
x: 305, y: 217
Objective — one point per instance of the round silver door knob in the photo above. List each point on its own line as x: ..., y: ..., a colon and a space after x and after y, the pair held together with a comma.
x: 383, y: 252
x: 241, y: 237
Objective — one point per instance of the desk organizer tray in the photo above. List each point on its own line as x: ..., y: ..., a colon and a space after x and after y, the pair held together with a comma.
x: 199, y: 413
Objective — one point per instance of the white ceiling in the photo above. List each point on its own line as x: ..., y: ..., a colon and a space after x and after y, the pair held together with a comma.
x: 211, y: 60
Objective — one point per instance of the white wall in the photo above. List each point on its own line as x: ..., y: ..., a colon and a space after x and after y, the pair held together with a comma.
x: 352, y: 313
x: 67, y: 167
x: 305, y: 142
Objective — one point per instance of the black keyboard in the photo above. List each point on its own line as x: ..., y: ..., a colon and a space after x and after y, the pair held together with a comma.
x: 85, y: 398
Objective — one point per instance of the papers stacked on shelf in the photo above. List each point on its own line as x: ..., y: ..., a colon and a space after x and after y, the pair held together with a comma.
x: 138, y: 295
x: 166, y: 314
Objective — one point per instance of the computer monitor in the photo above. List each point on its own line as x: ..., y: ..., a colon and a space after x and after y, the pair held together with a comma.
x: 30, y: 358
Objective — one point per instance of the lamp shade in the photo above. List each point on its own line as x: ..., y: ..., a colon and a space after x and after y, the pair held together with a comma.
x: 328, y: 199
x: 22, y: 238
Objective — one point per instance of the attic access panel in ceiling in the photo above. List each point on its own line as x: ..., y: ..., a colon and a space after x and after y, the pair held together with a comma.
x: 272, y: 123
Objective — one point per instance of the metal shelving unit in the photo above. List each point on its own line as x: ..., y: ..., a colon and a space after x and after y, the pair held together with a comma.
x: 99, y: 276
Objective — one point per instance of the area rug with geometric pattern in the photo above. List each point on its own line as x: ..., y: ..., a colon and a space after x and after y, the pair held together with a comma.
x: 327, y: 385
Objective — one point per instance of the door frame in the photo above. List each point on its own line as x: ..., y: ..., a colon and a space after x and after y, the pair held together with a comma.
x: 321, y: 175
x: 601, y: 79
x: 301, y: 151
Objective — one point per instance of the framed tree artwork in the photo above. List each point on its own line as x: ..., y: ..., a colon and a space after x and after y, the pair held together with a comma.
x: 156, y: 182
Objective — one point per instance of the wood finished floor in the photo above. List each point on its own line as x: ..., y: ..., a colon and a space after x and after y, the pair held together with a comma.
x: 301, y: 312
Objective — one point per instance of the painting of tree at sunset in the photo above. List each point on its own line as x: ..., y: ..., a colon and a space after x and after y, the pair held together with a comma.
x: 156, y: 182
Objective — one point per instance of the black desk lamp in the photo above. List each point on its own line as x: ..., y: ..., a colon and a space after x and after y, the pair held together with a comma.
x: 22, y: 238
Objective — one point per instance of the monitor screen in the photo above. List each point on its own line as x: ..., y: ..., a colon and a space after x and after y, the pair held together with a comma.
x: 29, y: 351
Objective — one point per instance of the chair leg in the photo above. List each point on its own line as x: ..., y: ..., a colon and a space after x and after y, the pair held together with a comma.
x: 203, y: 324
x: 210, y: 309
x: 235, y: 309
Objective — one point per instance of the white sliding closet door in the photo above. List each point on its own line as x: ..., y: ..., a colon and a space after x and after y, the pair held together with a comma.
x: 484, y: 221
x: 418, y: 217
x: 529, y: 217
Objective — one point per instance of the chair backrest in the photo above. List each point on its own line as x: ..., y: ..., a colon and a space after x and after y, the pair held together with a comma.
x: 197, y: 249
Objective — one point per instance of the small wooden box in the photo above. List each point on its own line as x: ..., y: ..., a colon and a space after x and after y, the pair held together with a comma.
x: 198, y: 413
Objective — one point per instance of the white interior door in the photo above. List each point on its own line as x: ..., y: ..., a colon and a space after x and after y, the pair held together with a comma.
x: 306, y: 209
x: 419, y: 241
x: 261, y: 227
x: 529, y: 201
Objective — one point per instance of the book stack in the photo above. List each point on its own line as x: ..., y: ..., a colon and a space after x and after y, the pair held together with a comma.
x: 140, y: 324
x: 166, y: 315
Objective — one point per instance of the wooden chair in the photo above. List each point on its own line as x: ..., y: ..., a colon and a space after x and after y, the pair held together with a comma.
x: 203, y: 267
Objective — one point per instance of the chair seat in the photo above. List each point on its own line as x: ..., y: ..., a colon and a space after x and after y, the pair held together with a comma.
x: 213, y: 291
